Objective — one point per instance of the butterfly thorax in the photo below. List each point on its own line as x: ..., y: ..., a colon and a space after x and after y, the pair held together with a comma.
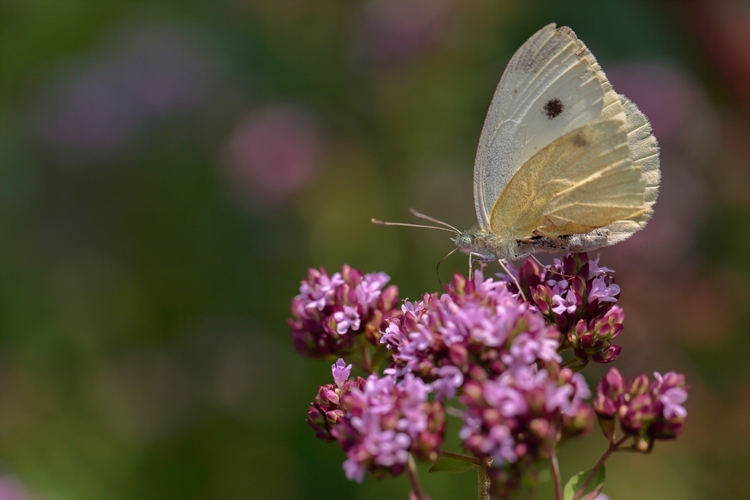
x: 487, y: 245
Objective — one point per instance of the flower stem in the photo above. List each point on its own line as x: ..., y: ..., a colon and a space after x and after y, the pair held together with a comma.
x: 611, y: 449
x: 575, y: 364
x: 555, y: 468
x: 411, y: 471
x: 483, y: 484
x: 366, y: 358
x: 579, y: 368
x: 483, y: 480
x: 569, y: 362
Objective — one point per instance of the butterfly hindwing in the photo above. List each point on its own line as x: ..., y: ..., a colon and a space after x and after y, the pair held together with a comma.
x: 645, y: 155
x: 582, y: 181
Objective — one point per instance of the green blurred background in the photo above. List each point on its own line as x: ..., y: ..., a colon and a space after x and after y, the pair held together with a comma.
x: 169, y: 170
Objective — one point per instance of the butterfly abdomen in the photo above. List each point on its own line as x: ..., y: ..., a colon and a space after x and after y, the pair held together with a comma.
x: 565, y: 243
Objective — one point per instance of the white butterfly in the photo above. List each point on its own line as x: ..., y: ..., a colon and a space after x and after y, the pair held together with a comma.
x: 564, y: 163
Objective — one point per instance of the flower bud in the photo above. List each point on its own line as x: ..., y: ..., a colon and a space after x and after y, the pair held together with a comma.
x: 540, y: 428
x: 646, y: 410
x: 542, y: 298
x: 459, y: 355
x: 609, y: 393
x: 643, y: 444
x: 580, y: 422
x: 611, y: 353
x: 639, y: 385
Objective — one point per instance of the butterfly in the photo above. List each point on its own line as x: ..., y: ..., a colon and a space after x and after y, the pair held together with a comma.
x: 564, y: 163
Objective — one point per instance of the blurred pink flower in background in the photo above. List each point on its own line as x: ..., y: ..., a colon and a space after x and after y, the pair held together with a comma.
x: 272, y: 155
x: 687, y: 129
x: 661, y: 265
x: 398, y: 31
x: 11, y: 489
x: 149, y: 73
x: 671, y: 99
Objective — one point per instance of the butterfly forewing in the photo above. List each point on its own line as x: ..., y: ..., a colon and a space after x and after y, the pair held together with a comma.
x: 550, y: 87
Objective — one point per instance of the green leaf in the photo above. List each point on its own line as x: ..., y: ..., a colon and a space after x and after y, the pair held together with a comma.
x: 592, y: 489
x: 449, y: 464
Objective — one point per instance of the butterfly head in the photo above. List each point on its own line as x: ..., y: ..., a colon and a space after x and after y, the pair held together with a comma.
x: 485, y: 245
x: 474, y: 242
x: 465, y: 241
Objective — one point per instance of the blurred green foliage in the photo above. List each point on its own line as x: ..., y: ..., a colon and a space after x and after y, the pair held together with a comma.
x: 169, y: 170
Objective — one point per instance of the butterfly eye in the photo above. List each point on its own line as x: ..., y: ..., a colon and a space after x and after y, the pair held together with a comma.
x: 464, y: 240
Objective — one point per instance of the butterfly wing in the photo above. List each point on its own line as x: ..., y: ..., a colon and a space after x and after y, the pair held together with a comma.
x: 582, y: 181
x: 644, y: 151
x: 551, y: 86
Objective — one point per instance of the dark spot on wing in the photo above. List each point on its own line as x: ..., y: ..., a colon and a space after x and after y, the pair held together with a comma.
x: 580, y: 141
x: 553, y: 108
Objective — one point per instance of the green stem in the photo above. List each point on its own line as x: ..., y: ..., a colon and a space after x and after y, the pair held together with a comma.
x: 579, y: 368
x: 569, y: 362
x: 411, y: 471
x: 483, y: 481
x: 555, y: 468
x: 611, y: 449
x: 575, y: 364
x: 483, y: 484
x: 366, y: 359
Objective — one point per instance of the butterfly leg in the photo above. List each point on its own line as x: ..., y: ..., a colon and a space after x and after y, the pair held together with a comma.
x: 537, y: 260
x: 518, y: 285
x: 480, y: 258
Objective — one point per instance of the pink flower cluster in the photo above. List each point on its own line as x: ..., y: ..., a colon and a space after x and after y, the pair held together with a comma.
x: 496, y: 348
x: 578, y: 297
x: 378, y: 421
x: 523, y: 401
x: 330, y: 311
x: 646, y: 410
x: 477, y: 329
x: 326, y: 410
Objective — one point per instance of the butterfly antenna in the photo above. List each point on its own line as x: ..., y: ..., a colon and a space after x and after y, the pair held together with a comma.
x: 437, y: 267
x: 431, y: 219
x: 381, y: 223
